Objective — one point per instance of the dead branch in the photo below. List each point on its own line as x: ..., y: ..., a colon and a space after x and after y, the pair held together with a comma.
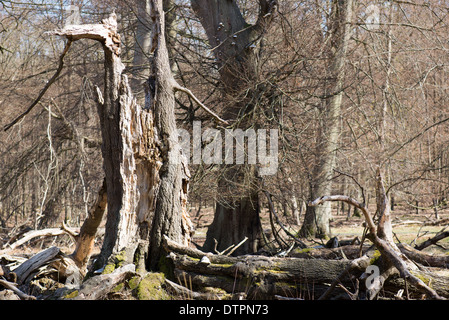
x: 178, y: 87
x: 46, y: 87
x: 382, y: 236
x: 351, y: 201
x: 184, y: 292
x: 11, y: 286
x: 273, y: 211
x: 49, y: 232
x: 441, y: 235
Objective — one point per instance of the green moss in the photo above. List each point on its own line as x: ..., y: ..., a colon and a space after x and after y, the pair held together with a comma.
x: 133, y: 282
x: 71, y: 295
x: 109, y: 268
x: 119, y: 258
x: 225, y: 265
x: 166, y: 267
x: 375, y: 257
x: 423, y: 278
x: 118, y: 287
x: 150, y: 288
x: 115, y: 262
x: 305, y: 250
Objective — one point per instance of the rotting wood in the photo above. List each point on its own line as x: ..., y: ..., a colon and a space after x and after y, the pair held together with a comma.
x: 97, y: 288
x: 257, y: 276
x: 38, y: 260
x: 86, y: 238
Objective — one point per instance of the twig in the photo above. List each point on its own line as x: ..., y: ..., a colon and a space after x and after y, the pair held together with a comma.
x: 235, y: 247
x: 178, y: 87
x: 47, y: 86
x: 351, y: 201
x: 355, y: 180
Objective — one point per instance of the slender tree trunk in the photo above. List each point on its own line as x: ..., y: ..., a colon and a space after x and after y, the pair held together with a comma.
x: 316, y: 221
x: 171, y: 215
x: 141, y: 68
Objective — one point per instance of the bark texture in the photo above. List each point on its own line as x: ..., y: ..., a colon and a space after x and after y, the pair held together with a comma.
x: 171, y: 215
x: 146, y: 181
x: 316, y: 220
x: 236, y: 46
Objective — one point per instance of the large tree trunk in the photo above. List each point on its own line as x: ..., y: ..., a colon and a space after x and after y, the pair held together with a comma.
x: 146, y: 180
x: 316, y: 221
x: 236, y: 46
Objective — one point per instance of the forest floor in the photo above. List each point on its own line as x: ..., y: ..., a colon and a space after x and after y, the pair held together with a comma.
x: 408, y: 227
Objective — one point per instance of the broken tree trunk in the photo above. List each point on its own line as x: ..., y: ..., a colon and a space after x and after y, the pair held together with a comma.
x: 145, y: 178
x: 86, y: 238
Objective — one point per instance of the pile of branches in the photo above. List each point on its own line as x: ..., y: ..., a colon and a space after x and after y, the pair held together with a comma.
x: 377, y: 267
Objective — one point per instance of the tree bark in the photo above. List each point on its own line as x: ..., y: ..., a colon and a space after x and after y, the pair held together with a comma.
x: 88, y: 232
x: 171, y: 214
x: 146, y: 181
x: 316, y: 220
x: 235, y: 44
x: 258, y: 277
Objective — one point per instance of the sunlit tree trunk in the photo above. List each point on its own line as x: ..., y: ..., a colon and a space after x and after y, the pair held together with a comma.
x: 316, y: 221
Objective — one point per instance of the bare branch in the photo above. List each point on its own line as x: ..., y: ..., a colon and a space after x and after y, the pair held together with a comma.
x: 178, y: 87
x: 47, y: 86
x: 350, y: 201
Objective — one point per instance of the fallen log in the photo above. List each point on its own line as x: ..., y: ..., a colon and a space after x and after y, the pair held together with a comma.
x: 425, y: 259
x: 441, y: 235
x: 30, y: 265
x: 259, y: 276
x: 97, y: 287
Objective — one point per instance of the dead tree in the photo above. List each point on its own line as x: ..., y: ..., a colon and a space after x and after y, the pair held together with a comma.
x: 146, y: 174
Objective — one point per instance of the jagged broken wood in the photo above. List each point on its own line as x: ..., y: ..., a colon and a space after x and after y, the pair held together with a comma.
x: 97, y: 288
x: 49, y: 232
x: 38, y: 260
